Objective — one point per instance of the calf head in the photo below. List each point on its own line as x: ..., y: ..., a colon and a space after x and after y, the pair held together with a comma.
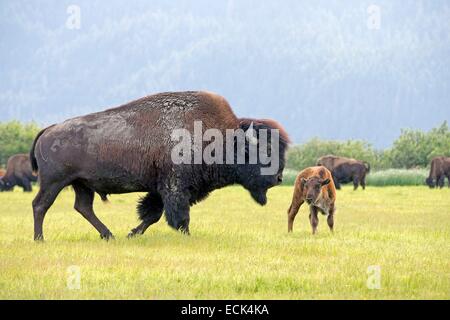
x: 312, y: 188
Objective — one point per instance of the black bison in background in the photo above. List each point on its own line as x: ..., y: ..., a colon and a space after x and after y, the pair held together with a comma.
x: 440, y: 168
x: 128, y: 149
x: 345, y: 170
x: 18, y: 173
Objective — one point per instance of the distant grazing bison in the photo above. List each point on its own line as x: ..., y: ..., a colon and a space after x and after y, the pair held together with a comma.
x: 345, y: 170
x: 18, y: 172
x: 439, y: 169
x: 131, y: 148
x: 315, y: 186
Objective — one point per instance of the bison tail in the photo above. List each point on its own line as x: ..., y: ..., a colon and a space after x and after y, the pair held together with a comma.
x: 143, y: 206
x: 34, y: 165
x: 367, y: 165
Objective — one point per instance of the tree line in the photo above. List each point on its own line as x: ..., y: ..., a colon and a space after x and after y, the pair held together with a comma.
x: 413, y: 148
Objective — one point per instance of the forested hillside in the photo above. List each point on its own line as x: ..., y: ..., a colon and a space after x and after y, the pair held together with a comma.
x: 315, y: 66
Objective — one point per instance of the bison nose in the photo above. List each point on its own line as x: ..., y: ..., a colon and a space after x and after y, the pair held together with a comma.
x: 309, y: 200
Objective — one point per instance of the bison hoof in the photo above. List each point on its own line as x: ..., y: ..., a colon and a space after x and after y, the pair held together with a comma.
x: 131, y: 235
x: 39, y: 239
x: 107, y: 236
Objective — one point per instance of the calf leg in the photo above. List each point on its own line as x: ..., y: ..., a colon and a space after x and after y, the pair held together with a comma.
x: 313, y: 218
x: 330, y: 218
x: 292, y: 212
x: 150, y: 210
x: 41, y: 203
x: 84, y: 199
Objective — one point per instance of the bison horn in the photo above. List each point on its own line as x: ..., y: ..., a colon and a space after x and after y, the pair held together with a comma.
x: 250, y: 135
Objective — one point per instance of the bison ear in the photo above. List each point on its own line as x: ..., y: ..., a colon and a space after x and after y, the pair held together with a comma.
x: 303, y: 182
x: 325, y: 182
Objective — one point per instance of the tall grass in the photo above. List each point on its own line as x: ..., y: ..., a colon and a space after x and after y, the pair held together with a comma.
x: 397, y: 177
x: 390, y: 177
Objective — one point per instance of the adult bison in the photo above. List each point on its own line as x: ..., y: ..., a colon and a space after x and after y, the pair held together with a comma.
x: 439, y: 169
x: 131, y: 149
x: 345, y: 170
x: 18, y: 172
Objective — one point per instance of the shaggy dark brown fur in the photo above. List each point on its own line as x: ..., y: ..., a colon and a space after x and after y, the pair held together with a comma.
x: 128, y: 149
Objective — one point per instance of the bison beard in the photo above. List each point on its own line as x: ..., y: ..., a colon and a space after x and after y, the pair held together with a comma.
x: 127, y: 149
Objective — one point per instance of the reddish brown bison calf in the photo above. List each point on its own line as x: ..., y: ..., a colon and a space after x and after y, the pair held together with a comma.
x: 315, y: 186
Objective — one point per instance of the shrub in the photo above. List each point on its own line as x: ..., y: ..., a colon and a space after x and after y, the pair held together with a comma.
x: 16, y: 137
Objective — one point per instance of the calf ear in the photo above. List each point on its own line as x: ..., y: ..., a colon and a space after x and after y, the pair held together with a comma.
x: 325, y: 182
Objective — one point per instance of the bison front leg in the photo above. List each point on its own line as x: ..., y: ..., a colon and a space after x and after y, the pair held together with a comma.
x: 440, y: 181
x: 26, y: 185
x: 363, y: 182
x: 41, y: 203
x: 355, y: 183
x: 337, y: 185
x: 176, y: 207
x: 84, y: 199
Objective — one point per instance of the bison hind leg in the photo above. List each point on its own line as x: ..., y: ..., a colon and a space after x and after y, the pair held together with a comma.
x: 150, y: 209
x: 41, y: 203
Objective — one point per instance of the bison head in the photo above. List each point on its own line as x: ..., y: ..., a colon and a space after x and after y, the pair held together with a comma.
x: 429, y: 181
x: 312, y: 187
x: 5, y: 185
x: 264, y: 167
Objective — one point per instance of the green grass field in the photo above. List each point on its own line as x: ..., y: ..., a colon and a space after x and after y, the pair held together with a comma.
x: 237, y: 249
